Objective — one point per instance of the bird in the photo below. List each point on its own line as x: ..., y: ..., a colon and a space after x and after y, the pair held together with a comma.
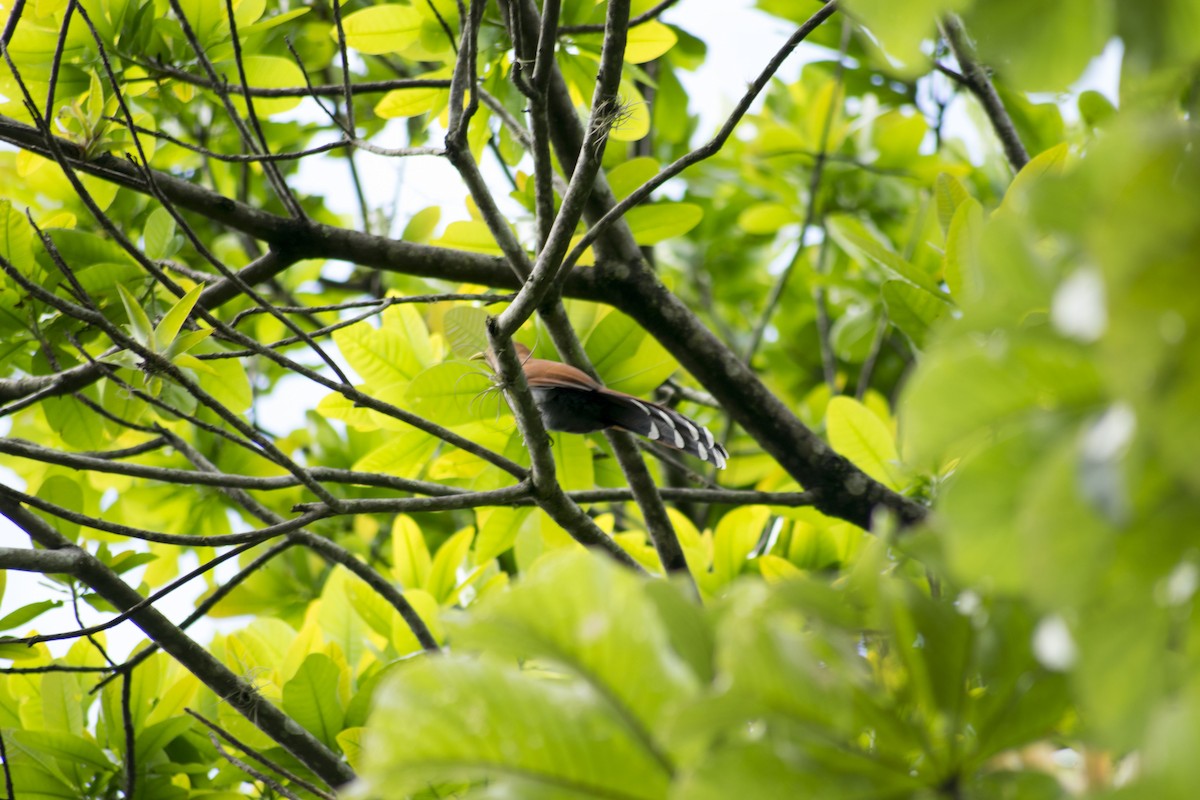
x: 571, y: 401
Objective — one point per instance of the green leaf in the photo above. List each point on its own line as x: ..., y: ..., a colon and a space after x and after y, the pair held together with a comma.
x: 451, y: 718
x: 60, y: 490
x: 857, y: 239
x: 1051, y: 162
x: 187, y: 340
x: 142, y: 330
x: 121, y: 563
x: 588, y: 632
x: 950, y: 194
x: 405, y: 455
x: 775, y: 569
x: 629, y: 175
x: 381, y: 29
x: 95, y: 102
x: 859, y: 435
x: 421, y: 225
x: 651, y: 224
x: 1095, y: 109
x: 648, y: 41
x: 912, y: 309
x: 382, y: 356
x: 766, y: 218
x: 411, y: 103
x: 1049, y: 56
x: 626, y: 358
x: 902, y: 32
x: 102, y: 279
x: 172, y: 321
x: 410, y: 555
x: 573, y: 461
x: 498, y: 529
x: 734, y: 539
x: 22, y: 615
x: 464, y: 330
x: 159, y: 234
x: 62, y: 702
x: 311, y: 697
x: 224, y: 378
x: 155, y: 737
x: 633, y: 120
x: 470, y: 235
x: 450, y: 556
x: 265, y: 72
x: 67, y: 748
x: 16, y: 239
x: 427, y: 608
x: 447, y: 393
x: 962, y: 247
x: 270, y: 22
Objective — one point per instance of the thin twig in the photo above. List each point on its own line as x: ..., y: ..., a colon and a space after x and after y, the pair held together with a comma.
x: 645, y: 16
x: 253, y: 753
x: 976, y: 79
x: 704, y: 151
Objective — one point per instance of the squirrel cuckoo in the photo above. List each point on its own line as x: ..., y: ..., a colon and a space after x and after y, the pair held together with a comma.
x: 569, y: 400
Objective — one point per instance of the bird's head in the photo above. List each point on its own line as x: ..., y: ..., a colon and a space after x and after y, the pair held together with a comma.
x: 490, y: 356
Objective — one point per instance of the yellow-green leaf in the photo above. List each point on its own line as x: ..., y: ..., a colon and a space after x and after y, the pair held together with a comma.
x: 265, y: 72
x: 648, y: 41
x: 633, y: 120
x: 158, y: 233
x: 450, y: 556
x: 311, y: 697
x: 652, y: 224
x: 859, y: 435
x: 172, y: 321
x: 734, y: 539
x: 1050, y: 162
x: 470, y: 235
x: 142, y: 330
x: 381, y: 29
x: 775, y: 569
x: 764, y: 218
x: 962, y: 246
x: 410, y: 555
x: 411, y: 102
x: 950, y: 194
x: 627, y: 176
x: 912, y: 309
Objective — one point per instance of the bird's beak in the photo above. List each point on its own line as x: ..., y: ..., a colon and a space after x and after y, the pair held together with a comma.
x: 480, y: 356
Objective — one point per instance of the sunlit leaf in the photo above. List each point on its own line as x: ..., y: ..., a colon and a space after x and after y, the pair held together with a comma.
x: 310, y: 698
x: 860, y: 436
x: 381, y: 29
x: 648, y: 41
x: 651, y: 224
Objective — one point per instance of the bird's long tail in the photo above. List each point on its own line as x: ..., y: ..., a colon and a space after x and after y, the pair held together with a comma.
x: 664, y: 425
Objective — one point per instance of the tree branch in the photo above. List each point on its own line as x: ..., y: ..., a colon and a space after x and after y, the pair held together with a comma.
x: 976, y: 80
x: 240, y: 694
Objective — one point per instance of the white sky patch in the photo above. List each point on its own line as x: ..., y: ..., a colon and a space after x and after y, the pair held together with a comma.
x: 1053, y: 645
x: 1078, y: 309
x: 1109, y: 436
x: 1181, y: 584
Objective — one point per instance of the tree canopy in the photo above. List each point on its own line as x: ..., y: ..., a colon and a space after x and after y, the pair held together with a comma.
x: 939, y: 304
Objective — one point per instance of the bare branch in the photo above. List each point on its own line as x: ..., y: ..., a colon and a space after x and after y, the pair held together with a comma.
x: 645, y: 16
x: 48, y: 562
x: 240, y: 694
x: 709, y: 148
x: 602, y: 117
x: 250, y: 751
x: 976, y: 79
